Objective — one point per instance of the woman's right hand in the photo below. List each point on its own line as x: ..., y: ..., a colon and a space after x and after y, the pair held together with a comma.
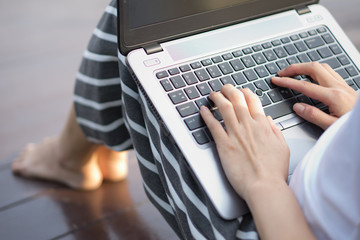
x: 332, y: 90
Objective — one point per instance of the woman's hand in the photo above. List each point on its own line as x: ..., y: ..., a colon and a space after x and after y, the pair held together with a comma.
x: 252, y: 149
x: 332, y: 90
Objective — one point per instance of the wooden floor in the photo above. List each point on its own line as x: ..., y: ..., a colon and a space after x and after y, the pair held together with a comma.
x: 41, y: 47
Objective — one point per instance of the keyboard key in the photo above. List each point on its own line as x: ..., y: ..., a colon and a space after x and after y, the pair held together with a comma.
x: 259, y: 58
x: 215, y: 85
x: 225, y: 68
x: 237, y: 53
x: 312, y: 32
x: 201, y: 137
x: 335, y: 49
x: 301, y: 47
x: 249, y: 86
x: 187, y: 109
x: 314, y: 56
x: 276, y: 43
x: 280, y: 109
x: 162, y: 74
x: 357, y: 81
x: 275, y: 95
x: 250, y: 75
x: 190, y: 78
x: 351, y: 71
x: 270, y: 55
x: 239, y: 78
x: 265, y: 101
x: 333, y: 62
x: 328, y: 38
x: 214, y: 71
x: 195, y: 65
x: 174, y: 71
x: 227, y: 80
x: 177, y: 97
x: 166, y: 85
x: 178, y: 82
x: 261, y: 71
x: 216, y: 59
x: 191, y: 92
x: 204, y: 89
x: 303, y: 58
x: 290, y: 49
x: 272, y: 68
x: 282, y: 64
x: 343, y: 60
x: 314, y: 42
x: 280, y: 52
x: 202, y: 75
x: 248, y: 61
x: 206, y: 62
x: 294, y: 37
x: 261, y: 85
x: 247, y: 51
x: 227, y: 56
x: 325, y: 52
x: 185, y: 68
x: 194, y: 122
x: 292, y: 60
x: 237, y: 65
x: 257, y: 48
x: 321, y: 30
x: 303, y: 35
x: 304, y: 99
x: 285, y: 93
x: 266, y: 45
x: 285, y: 40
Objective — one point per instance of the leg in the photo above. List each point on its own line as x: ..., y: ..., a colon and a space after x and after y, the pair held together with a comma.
x: 68, y: 159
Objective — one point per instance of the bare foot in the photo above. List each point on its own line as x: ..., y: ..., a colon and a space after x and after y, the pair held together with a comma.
x: 113, y: 165
x: 43, y: 161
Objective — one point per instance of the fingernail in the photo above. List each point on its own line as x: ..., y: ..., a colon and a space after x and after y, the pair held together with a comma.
x: 203, y: 108
x: 299, y: 108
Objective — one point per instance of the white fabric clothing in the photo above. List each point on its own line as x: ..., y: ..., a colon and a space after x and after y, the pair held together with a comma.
x: 326, y: 182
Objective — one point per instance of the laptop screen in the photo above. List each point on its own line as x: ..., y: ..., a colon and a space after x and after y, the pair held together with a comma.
x: 143, y: 22
x: 143, y: 13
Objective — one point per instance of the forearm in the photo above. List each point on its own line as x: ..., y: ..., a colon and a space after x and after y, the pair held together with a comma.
x: 277, y: 213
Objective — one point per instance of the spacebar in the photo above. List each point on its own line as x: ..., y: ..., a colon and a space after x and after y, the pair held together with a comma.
x: 280, y: 109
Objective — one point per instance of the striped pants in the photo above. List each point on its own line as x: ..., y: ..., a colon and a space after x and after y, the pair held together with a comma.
x: 111, y: 111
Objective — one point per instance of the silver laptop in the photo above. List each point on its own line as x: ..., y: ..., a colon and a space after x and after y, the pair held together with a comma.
x: 180, y: 51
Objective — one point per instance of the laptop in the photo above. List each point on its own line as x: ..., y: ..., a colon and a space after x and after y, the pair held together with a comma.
x: 180, y: 51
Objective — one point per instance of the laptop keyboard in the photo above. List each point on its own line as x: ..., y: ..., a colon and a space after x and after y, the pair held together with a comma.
x: 189, y: 85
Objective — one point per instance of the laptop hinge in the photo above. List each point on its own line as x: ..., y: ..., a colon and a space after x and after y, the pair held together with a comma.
x: 153, y: 48
x: 303, y: 10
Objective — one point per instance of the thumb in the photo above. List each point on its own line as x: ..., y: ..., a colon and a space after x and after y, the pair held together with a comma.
x: 314, y: 115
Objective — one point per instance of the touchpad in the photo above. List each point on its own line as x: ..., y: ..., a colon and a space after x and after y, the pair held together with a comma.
x: 300, y: 139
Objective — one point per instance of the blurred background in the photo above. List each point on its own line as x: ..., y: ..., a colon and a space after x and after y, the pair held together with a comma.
x: 41, y: 44
x: 41, y: 47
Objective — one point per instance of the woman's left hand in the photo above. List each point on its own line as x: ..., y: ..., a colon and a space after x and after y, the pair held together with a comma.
x: 252, y: 149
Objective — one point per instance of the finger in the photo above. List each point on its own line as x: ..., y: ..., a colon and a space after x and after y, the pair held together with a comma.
x: 314, y: 115
x: 215, y: 127
x: 238, y: 101
x: 275, y: 128
x: 307, y: 88
x: 313, y: 69
x: 333, y: 73
x: 253, y: 103
x: 226, y: 109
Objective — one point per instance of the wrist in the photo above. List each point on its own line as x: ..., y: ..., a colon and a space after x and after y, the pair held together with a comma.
x: 263, y: 189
